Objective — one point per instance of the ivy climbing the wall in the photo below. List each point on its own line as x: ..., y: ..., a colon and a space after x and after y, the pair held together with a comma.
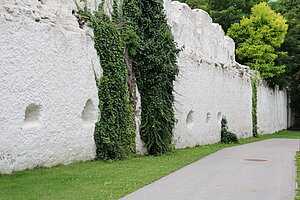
x: 137, y: 42
x: 115, y: 131
x: 155, y: 68
x: 254, y: 107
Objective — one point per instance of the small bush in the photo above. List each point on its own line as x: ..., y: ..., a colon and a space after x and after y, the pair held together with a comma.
x: 227, y: 136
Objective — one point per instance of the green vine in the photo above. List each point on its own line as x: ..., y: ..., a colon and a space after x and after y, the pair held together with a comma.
x: 155, y: 68
x: 115, y: 131
x: 137, y: 42
x: 254, y: 107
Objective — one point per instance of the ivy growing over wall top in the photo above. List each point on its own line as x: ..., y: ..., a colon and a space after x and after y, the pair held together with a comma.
x: 156, y: 69
x: 138, y: 35
x: 115, y: 131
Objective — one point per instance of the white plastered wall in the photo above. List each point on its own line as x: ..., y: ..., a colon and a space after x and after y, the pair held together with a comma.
x: 271, y: 109
x: 48, y: 95
x: 47, y: 71
x: 211, y: 84
x: 209, y: 93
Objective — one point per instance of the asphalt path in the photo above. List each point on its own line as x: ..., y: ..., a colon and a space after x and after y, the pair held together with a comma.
x: 263, y: 170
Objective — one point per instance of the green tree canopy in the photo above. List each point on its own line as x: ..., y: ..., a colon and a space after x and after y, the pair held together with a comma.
x: 225, y: 12
x: 200, y: 4
x: 290, y: 9
x: 258, y: 39
x: 228, y: 12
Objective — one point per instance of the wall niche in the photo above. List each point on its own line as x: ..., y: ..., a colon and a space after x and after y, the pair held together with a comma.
x: 88, y: 114
x: 190, y: 119
x: 208, y: 116
x: 32, y: 116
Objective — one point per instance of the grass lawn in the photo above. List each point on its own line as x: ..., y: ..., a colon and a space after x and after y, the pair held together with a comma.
x: 108, y: 180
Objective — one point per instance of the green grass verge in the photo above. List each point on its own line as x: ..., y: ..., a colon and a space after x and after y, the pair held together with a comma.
x: 298, y: 175
x: 107, y: 180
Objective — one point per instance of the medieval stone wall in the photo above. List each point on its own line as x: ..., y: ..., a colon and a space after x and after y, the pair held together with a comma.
x: 211, y: 84
x: 48, y: 94
x: 272, y: 109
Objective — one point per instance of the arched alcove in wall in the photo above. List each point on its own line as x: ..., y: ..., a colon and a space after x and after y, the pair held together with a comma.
x: 32, y: 116
x: 88, y: 114
x: 190, y: 119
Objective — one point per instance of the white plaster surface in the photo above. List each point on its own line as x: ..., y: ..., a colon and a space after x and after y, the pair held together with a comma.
x: 48, y: 61
x: 271, y: 109
x: 211, y: 84
x: 48, y: 94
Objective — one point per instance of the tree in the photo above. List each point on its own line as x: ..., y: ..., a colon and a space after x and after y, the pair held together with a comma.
x: 197, y: 4
x: 225, y: 12
x: 228, y: 12
x: 290, y: 9
x: 258, y: 39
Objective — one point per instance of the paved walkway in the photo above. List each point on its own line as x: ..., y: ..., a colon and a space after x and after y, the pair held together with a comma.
x: 226, y: 175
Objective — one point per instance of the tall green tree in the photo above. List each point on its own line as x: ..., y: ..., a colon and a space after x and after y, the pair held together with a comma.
x: 230, y: 11
x: 197, y: 4
x: 258, y: 39
x: 290, y: 9
x: 225, y: 12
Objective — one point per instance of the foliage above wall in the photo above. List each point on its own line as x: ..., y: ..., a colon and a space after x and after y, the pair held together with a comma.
x: 225, y: 12
x: 291, y: 79
x: 258, y: 28
x: 258, y: 39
